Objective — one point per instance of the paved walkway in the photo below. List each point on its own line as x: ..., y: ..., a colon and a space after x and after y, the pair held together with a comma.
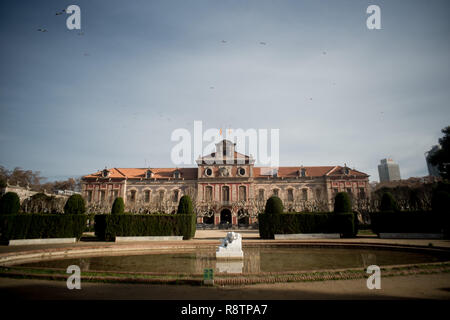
x: 432, y: 286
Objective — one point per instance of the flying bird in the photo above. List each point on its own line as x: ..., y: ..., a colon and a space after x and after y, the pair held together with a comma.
x: 324, y: 52
x: 42, y: 30
x: 262, y: 43
x: 81, y: 33
x: 223, y: 41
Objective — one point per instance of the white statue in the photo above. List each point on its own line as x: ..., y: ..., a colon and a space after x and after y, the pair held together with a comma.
x: 231, y: 247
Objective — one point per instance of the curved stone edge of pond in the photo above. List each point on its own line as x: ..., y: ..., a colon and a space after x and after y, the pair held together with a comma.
x: 324, y: 275
x: 17, y: 257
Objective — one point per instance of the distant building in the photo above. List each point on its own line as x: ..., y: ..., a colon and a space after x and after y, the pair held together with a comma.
x: 225, y: 187
x: 22, y: 192
x: 388, y: 170
x: 432, y: 170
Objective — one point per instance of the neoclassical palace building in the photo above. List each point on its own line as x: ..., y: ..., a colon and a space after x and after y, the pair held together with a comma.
x: 225, y: 187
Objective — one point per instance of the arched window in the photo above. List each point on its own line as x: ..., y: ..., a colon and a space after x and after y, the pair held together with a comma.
x: 275, y: 192
x: 161, y: 195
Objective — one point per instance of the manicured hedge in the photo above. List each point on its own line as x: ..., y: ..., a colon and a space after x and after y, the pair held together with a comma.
x: 342, y: 203
x: 289, y: 223
x: 408, y: 222
x: 185, y: 205
x: 41, y: 226
x: 9, y: 203
x: 274, y: 205
x: 107, y: 227
x: 118, y: 206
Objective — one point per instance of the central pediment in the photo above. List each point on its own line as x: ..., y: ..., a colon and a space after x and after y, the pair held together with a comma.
x: 225, y: 154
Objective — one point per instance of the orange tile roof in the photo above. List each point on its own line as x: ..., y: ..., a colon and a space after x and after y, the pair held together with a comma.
x: 258, y: 172
x: 291, y: 172
x: 136, y: 173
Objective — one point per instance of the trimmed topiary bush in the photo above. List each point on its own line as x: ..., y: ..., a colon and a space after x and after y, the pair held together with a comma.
x: 9, y: 203
x: 342, y: 203
x: 185, y: 205
x: 75, y: 205
x: 440, y: 203
x: 107, y: 227
x: 291, y: 223
x: 42, y: 226
x: 118, y: 206
x: 388, y: 203
x: 406, y: 222
x: 274, y: 206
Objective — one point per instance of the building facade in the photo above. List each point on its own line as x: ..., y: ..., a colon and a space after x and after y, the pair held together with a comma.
x: 432, y: 169
x: 388, y: 170
x: 225, y: 187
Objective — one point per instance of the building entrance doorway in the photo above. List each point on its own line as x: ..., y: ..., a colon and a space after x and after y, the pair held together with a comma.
x: 225, y: 216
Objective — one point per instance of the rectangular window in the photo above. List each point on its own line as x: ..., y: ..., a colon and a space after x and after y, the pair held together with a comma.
x: 175, y: 196
x: 147, y: 196
x: 161, y: 195
x: 261, y: 195
x: 133, y: 195
x: 208, y: 193
x: 290, y: 195
x: 225, y: 194
x: 362, y: 193
x: 242, y: 193
x: 305, y: 194
x: 102, y: 196
x: 275, y: 192
x: 89, y: 196
x: 318, y: 194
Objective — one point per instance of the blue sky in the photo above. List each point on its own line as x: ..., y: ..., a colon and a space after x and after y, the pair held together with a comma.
x: 339, y: 93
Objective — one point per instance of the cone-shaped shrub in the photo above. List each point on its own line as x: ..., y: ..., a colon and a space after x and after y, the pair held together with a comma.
x: 9, y: 203
x: 75, y: 205
x: 118, y: 206
x: 185, y: 205
x: 274, y: 205
x: 342, y: 203
x: 388, y: 203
